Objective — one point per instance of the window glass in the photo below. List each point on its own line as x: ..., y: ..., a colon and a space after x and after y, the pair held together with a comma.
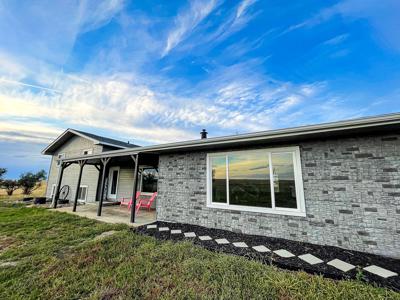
x: 114, y: 182
x: 149, y: 180
x: 82, y: 193
x: 284, y: 184
x: 249, y: 179
x: 218, y: 175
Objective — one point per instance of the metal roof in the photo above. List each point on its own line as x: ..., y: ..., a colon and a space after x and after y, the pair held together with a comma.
x: 97, y: 139
x: 386, y: 123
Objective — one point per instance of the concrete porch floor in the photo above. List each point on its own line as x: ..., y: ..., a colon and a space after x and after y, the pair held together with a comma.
x: 111, y: 214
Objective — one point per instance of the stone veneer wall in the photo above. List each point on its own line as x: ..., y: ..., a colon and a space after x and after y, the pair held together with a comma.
x: 351, y: 187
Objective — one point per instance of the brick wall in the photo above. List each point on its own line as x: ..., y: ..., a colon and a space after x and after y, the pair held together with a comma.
x: 351, y: 189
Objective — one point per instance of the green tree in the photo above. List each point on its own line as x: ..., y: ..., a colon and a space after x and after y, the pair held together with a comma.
x: 2, y: 172
x: 31, y: 181
x: 10, y: 186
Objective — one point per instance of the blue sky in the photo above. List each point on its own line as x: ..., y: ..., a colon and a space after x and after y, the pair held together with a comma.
x: 160, y: 71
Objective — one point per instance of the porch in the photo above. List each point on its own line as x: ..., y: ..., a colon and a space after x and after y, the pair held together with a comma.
x: 111, y: 214
x: 120, y: 180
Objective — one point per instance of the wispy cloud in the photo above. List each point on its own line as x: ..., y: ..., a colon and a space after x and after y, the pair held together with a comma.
x: 95, y: 14
x: 186, y: 21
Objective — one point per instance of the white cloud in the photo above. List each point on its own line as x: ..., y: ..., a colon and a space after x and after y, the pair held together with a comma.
x: 187, y: 21
x: 95, y: 14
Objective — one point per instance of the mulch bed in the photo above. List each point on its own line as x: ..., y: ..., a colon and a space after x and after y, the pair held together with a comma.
x: 325, y: 253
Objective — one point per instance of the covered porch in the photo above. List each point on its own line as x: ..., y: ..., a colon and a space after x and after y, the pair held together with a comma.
x: 112, y: 214
x: 120, y: 181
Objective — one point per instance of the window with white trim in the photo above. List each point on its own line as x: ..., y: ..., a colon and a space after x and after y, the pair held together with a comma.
x: 261, y: 180
x: 87, y: 151
x: 53, y: 190
x: 60, y: 156
x: 82, y: 193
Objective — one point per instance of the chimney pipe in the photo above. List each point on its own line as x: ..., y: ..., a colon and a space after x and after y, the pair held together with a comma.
x: 203, y: 134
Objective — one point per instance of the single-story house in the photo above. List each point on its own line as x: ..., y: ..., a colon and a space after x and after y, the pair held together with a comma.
x: 330, y: 184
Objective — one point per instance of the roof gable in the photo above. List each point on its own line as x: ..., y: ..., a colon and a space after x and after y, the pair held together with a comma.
x: 96, y: 139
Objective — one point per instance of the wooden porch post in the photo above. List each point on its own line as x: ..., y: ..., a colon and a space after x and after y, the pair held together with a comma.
x: 104, y: 162
x: 81, y: 165
x: 59, y: 180
x: 135, y: 176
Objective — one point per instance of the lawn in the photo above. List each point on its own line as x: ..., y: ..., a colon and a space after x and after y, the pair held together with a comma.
x: 57, y: 256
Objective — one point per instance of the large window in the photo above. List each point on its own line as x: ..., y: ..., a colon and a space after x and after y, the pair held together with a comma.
x: 263, y: 180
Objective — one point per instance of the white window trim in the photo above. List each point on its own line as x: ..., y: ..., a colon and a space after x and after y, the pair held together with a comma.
x: 89, y: 150
x: 299, y: 211
x: 59, y: 157
x: 87, y: 189
x: 53, y: 190
x: 109, y: 195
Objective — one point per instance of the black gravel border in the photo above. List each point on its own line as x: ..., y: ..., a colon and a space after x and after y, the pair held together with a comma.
x: 325, y: 253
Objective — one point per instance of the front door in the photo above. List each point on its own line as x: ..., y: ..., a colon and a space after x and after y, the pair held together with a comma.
x: 113, y: 183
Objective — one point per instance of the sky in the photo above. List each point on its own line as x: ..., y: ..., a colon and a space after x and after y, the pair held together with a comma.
x: 159, y: 71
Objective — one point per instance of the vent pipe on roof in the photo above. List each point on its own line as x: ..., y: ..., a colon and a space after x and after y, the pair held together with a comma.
x: 203, y: 134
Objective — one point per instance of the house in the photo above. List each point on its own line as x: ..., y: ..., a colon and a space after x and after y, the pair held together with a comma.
x: 330, y: 184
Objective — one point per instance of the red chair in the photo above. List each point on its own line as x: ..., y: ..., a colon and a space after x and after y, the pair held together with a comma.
x: 146, y: 203
x: 128, y: 201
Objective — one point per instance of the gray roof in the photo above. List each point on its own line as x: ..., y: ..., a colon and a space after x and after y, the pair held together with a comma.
x: 107, y: 141
x: 97, y: 139
x: 386, y: 124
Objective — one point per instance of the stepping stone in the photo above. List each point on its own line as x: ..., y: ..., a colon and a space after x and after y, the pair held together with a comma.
x: 311, y: 259
x: 341, y: 265
x: 163, y: 229
x: 190, y: 234
x: 240, y: 245
x: 261, y: 248
x: 284, y: 253
x: 176, y: 231
x: 205, y: 238
x: 222, y: 241
x: 151, y: 226
x: 380, y: 271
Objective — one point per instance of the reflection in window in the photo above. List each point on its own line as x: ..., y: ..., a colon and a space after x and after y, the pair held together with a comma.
x: 249, y: 179
x: 218, y: 175
x: 149, y: 180
x: 114, y: 182
x: 284, y: 183
x: 243, y: 180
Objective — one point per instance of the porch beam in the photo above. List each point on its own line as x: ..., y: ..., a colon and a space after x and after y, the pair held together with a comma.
x: 104, y: 162
x: 56, y: 194
x: 78, y: 185
x: 135, y: 176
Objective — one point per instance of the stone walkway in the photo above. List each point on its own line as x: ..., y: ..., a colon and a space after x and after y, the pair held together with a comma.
x: 309, y: 258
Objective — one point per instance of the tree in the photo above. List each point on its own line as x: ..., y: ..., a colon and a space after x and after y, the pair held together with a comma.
x: 10, y: 186
x: 2, y: 172
x: 30, y: 181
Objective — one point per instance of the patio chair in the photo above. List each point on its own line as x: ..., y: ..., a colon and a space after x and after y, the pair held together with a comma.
x: 146, y: 202
x: 128, y: 201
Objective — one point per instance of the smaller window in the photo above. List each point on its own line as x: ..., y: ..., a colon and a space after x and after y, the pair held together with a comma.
x: 87, y: 151
x: 59, y: 157
x: 82, y: 194
x: 53, y: 190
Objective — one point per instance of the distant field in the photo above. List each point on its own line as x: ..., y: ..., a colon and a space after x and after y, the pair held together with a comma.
x: 39, y: 192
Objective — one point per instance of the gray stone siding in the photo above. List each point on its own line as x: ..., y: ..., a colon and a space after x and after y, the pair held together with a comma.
x: 351, y: 189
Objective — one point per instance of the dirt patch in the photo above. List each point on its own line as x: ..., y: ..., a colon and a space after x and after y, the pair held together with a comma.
x: 6, y: 242
x: 8, y: 264
x: 104, y: 235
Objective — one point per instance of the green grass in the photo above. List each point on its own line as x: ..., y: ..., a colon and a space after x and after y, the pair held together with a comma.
x: 57, y: 258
